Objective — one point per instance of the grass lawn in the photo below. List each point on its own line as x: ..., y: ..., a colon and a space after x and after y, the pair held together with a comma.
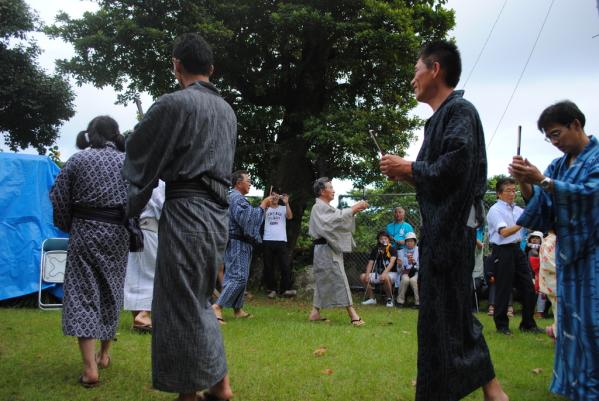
x: 270, y: 356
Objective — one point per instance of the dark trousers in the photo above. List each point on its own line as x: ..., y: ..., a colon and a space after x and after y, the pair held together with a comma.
x: 276, y: 257
x: 511, y: 270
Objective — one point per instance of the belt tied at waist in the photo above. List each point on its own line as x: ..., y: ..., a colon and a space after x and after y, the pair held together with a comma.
x: 102, y: 214
x: 199, y: 186
x: 113, y: 216
x: 320, y: 241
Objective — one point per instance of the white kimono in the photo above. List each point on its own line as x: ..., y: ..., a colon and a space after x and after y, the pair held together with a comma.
x: 139, y: 281
x: 336, y: 227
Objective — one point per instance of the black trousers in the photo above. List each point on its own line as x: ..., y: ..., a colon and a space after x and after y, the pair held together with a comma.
x: 511, y: 270
x: 276, y: 257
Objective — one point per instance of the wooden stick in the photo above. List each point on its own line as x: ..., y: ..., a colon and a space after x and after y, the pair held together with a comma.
x: 519, y: 140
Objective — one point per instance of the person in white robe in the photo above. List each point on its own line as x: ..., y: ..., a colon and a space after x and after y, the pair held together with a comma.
x: 139, y: 281
x: 332, y: 231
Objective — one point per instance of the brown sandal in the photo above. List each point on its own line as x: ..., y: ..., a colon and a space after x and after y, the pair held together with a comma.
x: 357, y: 322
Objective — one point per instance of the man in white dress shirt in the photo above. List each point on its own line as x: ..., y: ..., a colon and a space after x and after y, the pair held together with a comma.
x: 510, y: 266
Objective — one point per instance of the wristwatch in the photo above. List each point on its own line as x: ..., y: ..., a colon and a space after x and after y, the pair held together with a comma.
x: 546, y: 183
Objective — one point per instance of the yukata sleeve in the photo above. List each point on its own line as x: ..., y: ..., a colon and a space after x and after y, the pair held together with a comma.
x: 249, y: 219
x: 149, y: 149
x: 538, y: 214
x: 456, y: 151
x: 60, y: 197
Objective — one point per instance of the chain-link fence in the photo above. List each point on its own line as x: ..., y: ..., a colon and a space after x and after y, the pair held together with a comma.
x: 376, y: 217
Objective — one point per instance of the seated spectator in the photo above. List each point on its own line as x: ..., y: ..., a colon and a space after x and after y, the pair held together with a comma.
x: 399, y: 228
x: 408, y: 257
x: 381, y: 269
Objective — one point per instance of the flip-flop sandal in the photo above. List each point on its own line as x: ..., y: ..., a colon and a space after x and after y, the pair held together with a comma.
x: 207, y: 396
x: 142, y: 328
x: 221, y: 320
x: 357, y: 322
x: 88, y: 384
x: 320, y: 319
x: 246, y: 316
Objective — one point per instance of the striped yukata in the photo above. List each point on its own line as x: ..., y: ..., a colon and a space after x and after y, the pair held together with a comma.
x: 184, y: 135
x: 572, y: 210
x: 244, y: 230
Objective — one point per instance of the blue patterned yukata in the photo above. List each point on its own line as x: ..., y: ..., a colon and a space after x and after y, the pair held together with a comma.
x: 97, y: 252
x: 244, y: 231
x: 572, y: 210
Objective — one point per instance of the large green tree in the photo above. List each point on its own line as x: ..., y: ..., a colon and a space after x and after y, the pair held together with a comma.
x: 307, y: 78
x: 33, y: 104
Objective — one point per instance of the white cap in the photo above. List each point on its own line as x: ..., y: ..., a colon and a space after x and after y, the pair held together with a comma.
x: 410, y: 235
x: 536, y: 234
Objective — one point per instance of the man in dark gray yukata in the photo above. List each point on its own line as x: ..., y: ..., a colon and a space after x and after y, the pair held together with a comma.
x: 450, y: 175
x: 187, y: 139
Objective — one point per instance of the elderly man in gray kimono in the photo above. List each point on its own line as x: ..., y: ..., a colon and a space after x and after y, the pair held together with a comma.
x: 332, y: 230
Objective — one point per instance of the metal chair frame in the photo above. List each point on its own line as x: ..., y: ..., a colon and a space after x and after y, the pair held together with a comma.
x: 52, y: 267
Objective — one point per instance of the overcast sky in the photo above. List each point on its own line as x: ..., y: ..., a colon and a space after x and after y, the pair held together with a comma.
x: 564, y: 65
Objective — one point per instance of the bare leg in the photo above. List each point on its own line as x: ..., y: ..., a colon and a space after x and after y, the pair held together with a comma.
x: 387, y: 287
x: 218, y: 312
x: 353, y: 315
x: 103, y: 357
x: 87, y: 346
x: 493, y: 391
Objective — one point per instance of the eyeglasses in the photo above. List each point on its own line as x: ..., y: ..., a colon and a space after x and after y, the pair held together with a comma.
x: 554, y: 135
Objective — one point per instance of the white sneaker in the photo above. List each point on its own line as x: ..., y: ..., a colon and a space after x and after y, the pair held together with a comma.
x: 389, y: 303
x: 370, y: 301
x: 290, y: 293
x: 272, y: 294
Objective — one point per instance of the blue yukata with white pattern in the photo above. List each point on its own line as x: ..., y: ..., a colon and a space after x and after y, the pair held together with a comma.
x: 244, y: 221
x: 572, y: 210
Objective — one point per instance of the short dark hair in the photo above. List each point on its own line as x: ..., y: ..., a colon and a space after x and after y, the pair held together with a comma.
x: 447, y: 55
x: 319, y: 185
x: 381, y: 234
x: 503, y: 182
x: 100, y: 130
x: 563, y: 113
x: 237, y: 177
x: 276, y: 190
x: 194, y: 53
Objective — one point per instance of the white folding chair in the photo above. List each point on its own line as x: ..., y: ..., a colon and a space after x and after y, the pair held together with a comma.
x: 53, y: 261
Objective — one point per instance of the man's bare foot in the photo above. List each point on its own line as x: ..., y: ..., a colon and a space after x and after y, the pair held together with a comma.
x: 241, y: 314
x: 218, y: 312
x: 142, y: 319
x: 492, y: 391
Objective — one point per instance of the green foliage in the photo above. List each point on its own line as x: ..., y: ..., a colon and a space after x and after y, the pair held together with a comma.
x: 33, y: 104
x: 307, y: 79
x: 270, y: 357
x: 54, y: 155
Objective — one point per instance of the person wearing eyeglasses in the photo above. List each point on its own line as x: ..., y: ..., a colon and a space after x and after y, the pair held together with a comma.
x: 565, y: 198
x: 509, y: 263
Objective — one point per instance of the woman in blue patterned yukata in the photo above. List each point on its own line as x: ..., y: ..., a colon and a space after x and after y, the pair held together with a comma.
x: 88, y: 199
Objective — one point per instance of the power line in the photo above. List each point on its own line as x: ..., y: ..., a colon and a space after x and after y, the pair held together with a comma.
x: 484, y: 45
x: 521, y: 74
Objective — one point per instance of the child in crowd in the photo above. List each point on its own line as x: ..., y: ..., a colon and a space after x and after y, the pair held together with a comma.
x: 533, y: 245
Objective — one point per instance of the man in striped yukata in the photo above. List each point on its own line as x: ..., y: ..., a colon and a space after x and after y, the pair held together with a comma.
x: 566, y: 199
x: 187, y: 139
x: 244, y: 232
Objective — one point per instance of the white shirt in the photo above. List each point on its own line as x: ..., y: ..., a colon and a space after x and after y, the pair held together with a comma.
x: 275, y: 224
x: 502, y: 215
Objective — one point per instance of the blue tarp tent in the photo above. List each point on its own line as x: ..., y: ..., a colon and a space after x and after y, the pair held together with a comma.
x: 25, y: 220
